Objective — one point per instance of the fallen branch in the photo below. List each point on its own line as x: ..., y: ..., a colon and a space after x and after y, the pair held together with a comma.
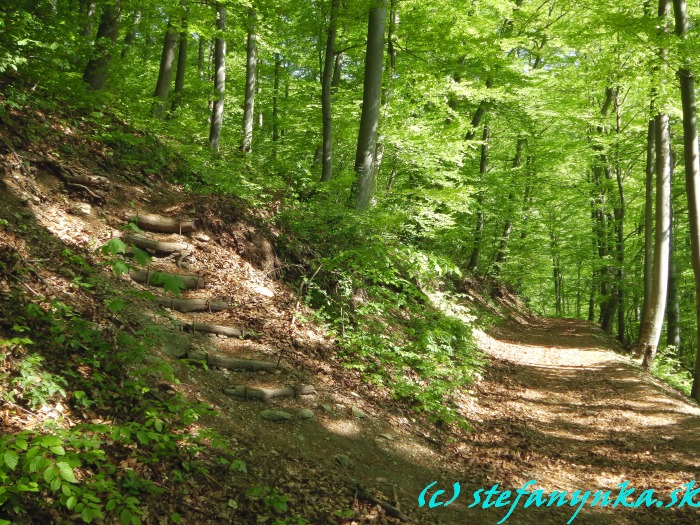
x: 158, y: 223
x: 68, y: 176
x: 192, y: 305
x: 264, y: 394
x: 154, y: 246
x: 228, y: 331
x: 191, y: 282
x: 232, y: 363
x: 392, y: 511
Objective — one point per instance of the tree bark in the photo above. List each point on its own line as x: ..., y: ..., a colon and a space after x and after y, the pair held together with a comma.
x: 264, y: 394
x: 501, y: 251
x: 158, y: 223
x: 97, y: 69
x: 181, y: 63
x: 217, y: 114
x: 131, y: 34
x: 201, y: 50
x: 363, y: 186
x: 648, y: 220
x: 473, y: 263
x: 275, y: 101
x: 692, y: 174
x: 673, y: 313
x: 192, y: 305
x: 88, y: 10
x: 327, y: 80
x: 251, y: 65
x: 651, y: 329
x: 165, y: 73
x: 191, y: 282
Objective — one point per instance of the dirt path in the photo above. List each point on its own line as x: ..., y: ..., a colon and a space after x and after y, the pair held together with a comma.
x: 560, y: 407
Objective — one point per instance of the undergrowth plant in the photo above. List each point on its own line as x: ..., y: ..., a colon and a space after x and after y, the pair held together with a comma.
x: 90, y: 470
x: 378, y: 296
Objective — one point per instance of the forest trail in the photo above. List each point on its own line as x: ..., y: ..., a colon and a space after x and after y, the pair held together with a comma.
x: 560, y: 406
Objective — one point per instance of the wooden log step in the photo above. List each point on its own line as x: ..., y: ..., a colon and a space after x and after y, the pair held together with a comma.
x: 264, y: 394
x: 232, y: 363
x: 228, y: 331
x: 154, y: 246
x: 158, y: 223
x: 192, y: 305
x: 191, y: 282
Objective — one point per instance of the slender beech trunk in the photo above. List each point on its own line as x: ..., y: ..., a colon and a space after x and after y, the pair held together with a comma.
x: 250, y: 75
x: 97, y: 69
x: 651, y: 328
x: 201, y: 49
x: 502, y: 250
x: 275, y: 102
x: 181, y: 64
x: 363, y: 186
x: 692, y: 173
x: 648, y: 220
x: 326, y: 87
x: 673, y: 310
x: 619, y: 211
x: 131, y: 34
x: 88, y: 10
x: 473, y: 263
x: 556, y: 274
x: 217, y: 116
x: 165, y: 73
x: 338, y: 65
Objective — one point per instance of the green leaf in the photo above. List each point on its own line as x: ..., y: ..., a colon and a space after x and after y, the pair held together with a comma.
x: 66, y: 472
x: 50, y: 474
x: 58, y: 450
x: 114, y: 246
x: 175, y: 517
x: 87, y: 515
x: 125, y: 517
x: 11, y: 459
x: 119, y: 267
x: 55, y: 484
x: 141, y: 257
x: 71, y: 502
x: 116, y: 305
x: 21, y: 444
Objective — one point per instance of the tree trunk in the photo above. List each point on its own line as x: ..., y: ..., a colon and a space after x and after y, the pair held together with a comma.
x: 201, y: 50
x: 88, y: 10
x: 327, y: 80
x: 250, y: 75
x: 181, y: 64
x: 369, y: 122
x: 651, y: 328
x: 473, y: 263
x: 217, y: 114
x: 673, y: 327
x: 501, y: 252
x: 275, y: 102
x: 131, y: 34
x: 619, y: 211
x: 692, y: 175
x: 97, y: 69
x: 338, y: 66
x: 165, y: 73
x: 648, y: 220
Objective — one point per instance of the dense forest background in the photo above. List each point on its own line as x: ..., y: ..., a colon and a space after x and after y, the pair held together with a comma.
x: 507, y: 139
x: 399, y: 149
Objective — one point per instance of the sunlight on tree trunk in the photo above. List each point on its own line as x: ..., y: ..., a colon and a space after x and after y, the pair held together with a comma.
x: 363, y: 187
x: 251, y: 65
x: 217, y: 117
